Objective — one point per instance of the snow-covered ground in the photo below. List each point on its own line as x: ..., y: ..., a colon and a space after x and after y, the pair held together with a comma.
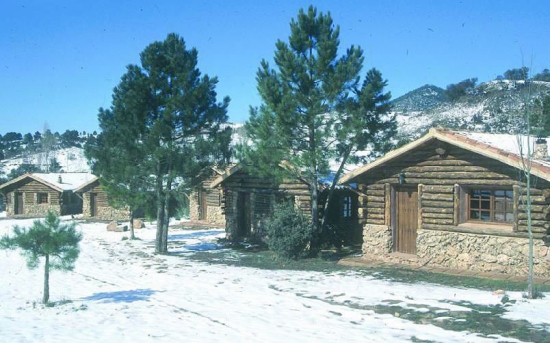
x: 121, y: 292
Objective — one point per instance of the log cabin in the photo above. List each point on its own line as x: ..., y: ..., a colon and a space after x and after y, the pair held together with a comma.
x: 248, y: 201
x: 457, y: 199
x: 205, y: 202
x: 32, y: 195
x: 95, y: 202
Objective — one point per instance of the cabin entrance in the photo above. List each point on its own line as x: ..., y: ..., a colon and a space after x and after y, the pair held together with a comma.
x: 406, y: 225
x: 243, y: 215
x: 18, y: 203
x: 93, y: 204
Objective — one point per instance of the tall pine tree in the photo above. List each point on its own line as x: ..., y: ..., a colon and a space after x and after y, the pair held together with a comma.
x: 314, y: 109
x: 163, y: 128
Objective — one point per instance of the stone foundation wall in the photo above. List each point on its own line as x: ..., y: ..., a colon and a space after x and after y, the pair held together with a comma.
x: 110, y: 213
x: 194, y: 206
x: 40, y: 210
x: 481, y: 252
x: 215, y: 215
x: 377, y: 240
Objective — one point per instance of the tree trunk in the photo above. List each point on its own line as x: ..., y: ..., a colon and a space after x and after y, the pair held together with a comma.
x: 159, y: 249
x: 166, y: 222
x: 46, y: 296
x: 530, y: 278
x: 132, y: 236
x: 331, y: 190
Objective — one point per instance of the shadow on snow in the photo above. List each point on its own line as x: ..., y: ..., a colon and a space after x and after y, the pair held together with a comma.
x: 122, y: 296
x: 196, y: 234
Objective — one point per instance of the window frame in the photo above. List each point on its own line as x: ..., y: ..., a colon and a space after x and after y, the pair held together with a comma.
x: 492, y: 205
x: 42, y: 198
x: 346, y: 209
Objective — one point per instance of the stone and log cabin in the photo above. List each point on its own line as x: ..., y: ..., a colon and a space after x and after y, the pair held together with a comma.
x: 32, y: 195
x: 458, y: 200
x: 248, y: 201
x: 95, y: 203
x: 205, y: 202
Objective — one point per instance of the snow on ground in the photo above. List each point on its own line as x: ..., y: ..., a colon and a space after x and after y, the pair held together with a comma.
x: 121, y: 291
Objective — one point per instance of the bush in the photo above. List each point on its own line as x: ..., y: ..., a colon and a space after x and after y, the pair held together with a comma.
x: 289, y: 232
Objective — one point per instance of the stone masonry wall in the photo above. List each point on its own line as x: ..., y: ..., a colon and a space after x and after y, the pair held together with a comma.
x: 481, y: 252
x: 194, y: 206
x: 215, y: 215
x: 110, y: 213
x: 377, y: 240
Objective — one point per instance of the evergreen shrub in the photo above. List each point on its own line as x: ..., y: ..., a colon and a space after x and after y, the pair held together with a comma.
x: 289, y: 232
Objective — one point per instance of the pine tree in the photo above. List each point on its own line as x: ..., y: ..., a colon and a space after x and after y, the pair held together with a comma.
x: 163, y: 128
x: 311, y: 104
x: 55, y: 242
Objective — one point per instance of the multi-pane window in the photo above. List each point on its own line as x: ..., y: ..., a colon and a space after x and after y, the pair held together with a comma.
x: 492, y: 205
x: 41, y: 198
x: 346, y: 207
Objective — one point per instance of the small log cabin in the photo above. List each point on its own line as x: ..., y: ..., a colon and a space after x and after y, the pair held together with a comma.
x: 456, y: 199
x: 95, y: 202
x: 205, y: 203
x: 248, y: 201
x: 32, y: 195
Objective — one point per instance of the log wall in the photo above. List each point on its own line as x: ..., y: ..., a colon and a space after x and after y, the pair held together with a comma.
x: 104, y: 210
x: 441, y: 205
x: 263, y: 195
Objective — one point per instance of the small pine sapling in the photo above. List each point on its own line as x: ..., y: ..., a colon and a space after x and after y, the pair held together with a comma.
x: 56, y: 242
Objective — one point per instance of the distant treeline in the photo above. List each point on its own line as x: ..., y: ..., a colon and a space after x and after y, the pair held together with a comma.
x: 13, y: 143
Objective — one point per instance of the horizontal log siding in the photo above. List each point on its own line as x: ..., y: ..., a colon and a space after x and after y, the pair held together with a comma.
x: 438, y: 175
x: 263, y: 195
x: 32, y: 187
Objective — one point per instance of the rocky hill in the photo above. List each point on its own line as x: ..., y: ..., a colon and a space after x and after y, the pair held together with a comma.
x: 420, y: 99
x: 493, y: 106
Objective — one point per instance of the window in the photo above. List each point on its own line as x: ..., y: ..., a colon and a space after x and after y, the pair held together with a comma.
x: 346, y: 207
x: 41, y: 198
x: 491, y: 205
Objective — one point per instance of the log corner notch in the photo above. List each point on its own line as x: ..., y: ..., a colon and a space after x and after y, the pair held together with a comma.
x: 387, y: 205
x: 456, y: 205
x: 420, y: 189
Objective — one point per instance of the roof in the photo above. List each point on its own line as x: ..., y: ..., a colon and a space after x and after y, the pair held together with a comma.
x: 502, y: 147
x: 86, y: 184
x: 69, y: 181
x: 226, y: 174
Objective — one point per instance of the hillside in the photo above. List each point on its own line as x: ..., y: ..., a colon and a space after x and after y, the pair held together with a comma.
x: 492, y: 107
x: 420, y: 99
x: 71, y: 160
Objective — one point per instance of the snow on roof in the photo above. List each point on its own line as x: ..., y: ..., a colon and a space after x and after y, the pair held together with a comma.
x: 512, y: 144
x: 65, y: 181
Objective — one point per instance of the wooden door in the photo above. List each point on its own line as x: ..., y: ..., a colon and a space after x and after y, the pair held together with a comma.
x: 93, y: 204
x: 243, y: 214
x: 18, y: 205
x: 203, y: 206
x: 407, y: 220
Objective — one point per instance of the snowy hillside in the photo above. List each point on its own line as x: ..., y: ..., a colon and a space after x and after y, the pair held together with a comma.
x: 72, y: 160
x: 492, y: 107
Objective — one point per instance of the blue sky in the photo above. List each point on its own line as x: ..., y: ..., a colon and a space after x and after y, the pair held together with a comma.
x: 59, y: 60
